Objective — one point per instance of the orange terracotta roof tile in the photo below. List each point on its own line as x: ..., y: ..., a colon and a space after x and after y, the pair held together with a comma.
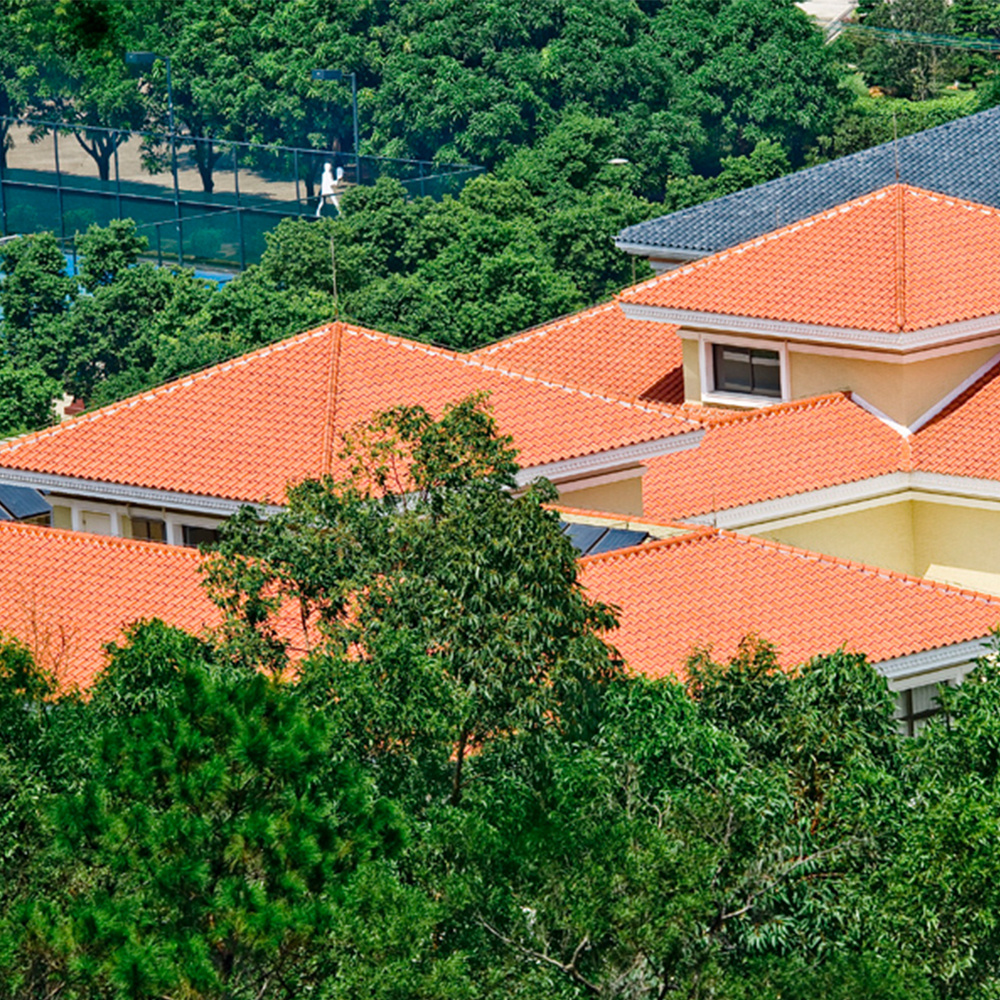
x: 900, y: 259
x: 66, y: 594
x: 773, y: 452
x: 964, y: 438
x: 603, y: 349
x: 244, y: 429
x: 713, y: 588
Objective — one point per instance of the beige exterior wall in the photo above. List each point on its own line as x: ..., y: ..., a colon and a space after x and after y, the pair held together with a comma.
x: 621, y: 497
x: 903, y: 392
x: 952, y: 543
x: 958, y: 545
x: 692, y: 371
x: 62, y: 517
x: 879, y: 536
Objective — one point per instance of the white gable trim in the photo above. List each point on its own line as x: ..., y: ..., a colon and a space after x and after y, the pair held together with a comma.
x: 897, y: 343
x: 913, y: 664
x: 610, y: 460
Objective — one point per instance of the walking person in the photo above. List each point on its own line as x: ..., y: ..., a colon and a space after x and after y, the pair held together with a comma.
x: 330, y: 188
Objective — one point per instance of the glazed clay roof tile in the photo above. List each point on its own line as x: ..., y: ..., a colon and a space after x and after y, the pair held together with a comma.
x: 244, y: 429
x: 964, y: 438
x: 898, y: 260
x: 67, y: 594
x: 713, y: 588
x: 773, y: 452
x: 601, y: 348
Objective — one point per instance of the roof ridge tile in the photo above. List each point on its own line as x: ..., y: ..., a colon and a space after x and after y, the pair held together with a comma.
x: 149, y: 395
x: 469, y: 360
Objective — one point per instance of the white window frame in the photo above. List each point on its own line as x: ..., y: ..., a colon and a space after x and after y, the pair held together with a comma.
x: 710, y: 395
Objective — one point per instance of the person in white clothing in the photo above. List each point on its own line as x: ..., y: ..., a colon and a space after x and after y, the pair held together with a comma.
x: 330, y: 188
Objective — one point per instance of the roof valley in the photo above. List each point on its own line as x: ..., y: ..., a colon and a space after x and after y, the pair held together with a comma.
x: 330, y: 428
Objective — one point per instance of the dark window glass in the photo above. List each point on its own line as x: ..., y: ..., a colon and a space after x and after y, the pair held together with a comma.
x: 746, y: 370
x: 194, y: 537
x: 148, y: 529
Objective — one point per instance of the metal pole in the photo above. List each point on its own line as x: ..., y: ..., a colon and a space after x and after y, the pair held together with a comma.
x: 59, y: 191
x: 357, y: 150
x: 239, y: 207
x: 295, y: 168
x: 118, y: 176
x: 3, y: 200
x: 173, y: 164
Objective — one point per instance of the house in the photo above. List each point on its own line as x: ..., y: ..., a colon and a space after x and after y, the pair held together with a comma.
x: 792, y: 437
x: 170, y: 464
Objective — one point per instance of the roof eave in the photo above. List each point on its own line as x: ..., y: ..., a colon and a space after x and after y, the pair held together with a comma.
x: 894, y: 343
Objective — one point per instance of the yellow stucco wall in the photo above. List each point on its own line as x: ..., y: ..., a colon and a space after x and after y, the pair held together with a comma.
x: 692, y: 371
x: 903, y: 392
x: 879, y: 536
x: 958, y: 545
x: 952, y: 543
x: 622, y: 497
x: 62, y: 517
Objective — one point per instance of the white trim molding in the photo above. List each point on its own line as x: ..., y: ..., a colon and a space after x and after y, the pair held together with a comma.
x: 892, y: 343
x: 927, y: 417
x: 139, y: 495
x: 812, y: 505
x: 913, y: 665
x: 611, y: 460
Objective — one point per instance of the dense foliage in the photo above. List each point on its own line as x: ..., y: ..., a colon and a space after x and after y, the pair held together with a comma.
x: 459, y: 793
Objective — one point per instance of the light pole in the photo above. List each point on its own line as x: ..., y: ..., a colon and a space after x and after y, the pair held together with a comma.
x: 339, y: 74
x: 144, y: 60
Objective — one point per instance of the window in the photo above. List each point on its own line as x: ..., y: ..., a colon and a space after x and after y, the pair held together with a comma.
x: 915, y: 706
x: 746, y: 370
x: 195, y: 536
x: 148, y: 529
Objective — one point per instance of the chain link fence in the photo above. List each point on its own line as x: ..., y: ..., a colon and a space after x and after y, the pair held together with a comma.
x: 202, y: 201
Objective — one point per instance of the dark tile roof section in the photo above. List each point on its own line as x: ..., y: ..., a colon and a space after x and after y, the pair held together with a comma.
x: 957, y: 158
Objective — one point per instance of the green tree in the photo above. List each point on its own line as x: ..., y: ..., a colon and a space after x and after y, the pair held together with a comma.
x: 215, y: 850
x: 480, y: 580
x: 35, y: 294
x: 27, y: 395
x: 81, y: 44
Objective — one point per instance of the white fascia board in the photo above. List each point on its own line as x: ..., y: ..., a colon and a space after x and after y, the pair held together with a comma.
x: 962, y: 486
x: 960, y: 490
x: 141, y: 496
x: 878, y: 414
x: 895, y: 343
x: 611, y: 460
x: 914, y: 664
x: 739, y: 518
x: 664, y: 253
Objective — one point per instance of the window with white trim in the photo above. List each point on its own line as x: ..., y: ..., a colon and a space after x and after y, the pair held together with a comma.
x: 916, y: 705
x: 747, y: 371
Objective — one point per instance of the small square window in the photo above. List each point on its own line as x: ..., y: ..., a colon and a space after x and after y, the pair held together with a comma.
x: 748, y: 371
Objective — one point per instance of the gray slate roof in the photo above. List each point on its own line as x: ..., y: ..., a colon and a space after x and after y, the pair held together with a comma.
x: 959, y: 158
